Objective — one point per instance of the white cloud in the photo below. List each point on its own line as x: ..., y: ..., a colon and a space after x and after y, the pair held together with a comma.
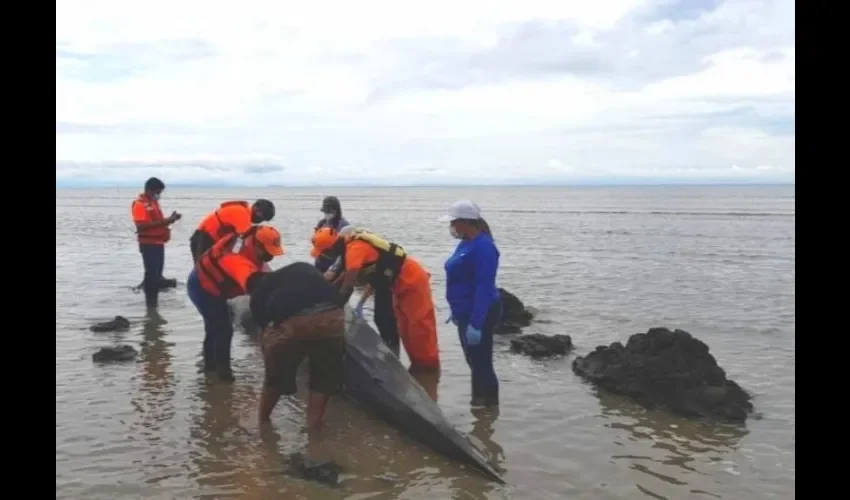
x: 424, y: 92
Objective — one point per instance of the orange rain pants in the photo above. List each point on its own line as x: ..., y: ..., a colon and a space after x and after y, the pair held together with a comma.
x: 415, y: 316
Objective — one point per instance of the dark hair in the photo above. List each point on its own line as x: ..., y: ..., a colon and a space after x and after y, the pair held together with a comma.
x: 481, y: 225
x: 331, y: 203
x: 154, y: 184
x: 265, y: 207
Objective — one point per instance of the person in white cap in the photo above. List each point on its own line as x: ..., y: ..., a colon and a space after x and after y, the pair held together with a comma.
x: 473, y: 296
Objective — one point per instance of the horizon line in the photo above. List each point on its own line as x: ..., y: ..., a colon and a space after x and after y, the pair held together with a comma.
x: 97, y: 185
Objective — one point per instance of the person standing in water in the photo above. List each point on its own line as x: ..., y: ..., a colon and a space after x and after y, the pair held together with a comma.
x: 224, y: 272
x: 332, y: 218
x: 152, y: 232
x: 473, y: 296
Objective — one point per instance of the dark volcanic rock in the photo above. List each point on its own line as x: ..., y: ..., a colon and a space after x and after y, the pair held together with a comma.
x: 117, y: 353
x: 116, y: 323
x: 323, y: 472
x: 514, y: 314
x: 542, y: 346
x: 164, y: 284
x: 667, y: 369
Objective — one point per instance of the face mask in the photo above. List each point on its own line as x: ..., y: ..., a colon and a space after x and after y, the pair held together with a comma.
x: 329, y: 216
x: 454, y: 233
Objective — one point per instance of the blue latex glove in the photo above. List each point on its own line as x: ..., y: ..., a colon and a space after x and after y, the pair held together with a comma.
x: 358, y: 311
x: 473, y: 336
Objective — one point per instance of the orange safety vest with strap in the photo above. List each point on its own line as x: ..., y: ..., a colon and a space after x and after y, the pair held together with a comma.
x: 158, y: 235
x: 212, y: 276
x: 248, y: 245
x: 214, y: 226
x: 391, y: 258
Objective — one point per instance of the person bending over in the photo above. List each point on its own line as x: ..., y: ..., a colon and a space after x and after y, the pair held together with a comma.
x: 223, y: 272
x: 300, y: 315
x: 370, y: 259
x: 230, y: 217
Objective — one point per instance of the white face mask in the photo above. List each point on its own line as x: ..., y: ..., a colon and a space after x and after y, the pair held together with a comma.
x: 329, y: 216
x: 454, y: 233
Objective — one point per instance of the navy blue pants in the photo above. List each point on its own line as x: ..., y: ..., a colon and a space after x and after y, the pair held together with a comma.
x: 153, y: 258
x: 480, y: 357
x: 218, y: 326
x: 385, y: 317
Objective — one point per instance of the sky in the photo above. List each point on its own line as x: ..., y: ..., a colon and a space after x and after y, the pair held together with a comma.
x: 280, y: 92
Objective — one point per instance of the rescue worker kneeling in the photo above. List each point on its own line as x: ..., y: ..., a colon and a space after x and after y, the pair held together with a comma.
x: 230, y: 217
x: 300, y: 315
x: 368, y: 258
x: 225, y: 272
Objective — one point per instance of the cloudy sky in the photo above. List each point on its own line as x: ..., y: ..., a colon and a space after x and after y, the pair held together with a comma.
x: 262, y: 92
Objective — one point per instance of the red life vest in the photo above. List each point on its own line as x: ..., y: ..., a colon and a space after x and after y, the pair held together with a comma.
x: 158, y: 235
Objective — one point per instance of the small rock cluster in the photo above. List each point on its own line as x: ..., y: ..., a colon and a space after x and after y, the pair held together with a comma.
x: 164, y: 284
x: 115, y: 324
x: 117, y: 353
x: 515, y: 316
x: 542, y: 346
x: 666, y: 369
x: 325, y: 472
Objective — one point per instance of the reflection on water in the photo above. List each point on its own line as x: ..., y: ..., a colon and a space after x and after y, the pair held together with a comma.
x: 678, y: 450
x: 153, y: 401
x: 482, y: 430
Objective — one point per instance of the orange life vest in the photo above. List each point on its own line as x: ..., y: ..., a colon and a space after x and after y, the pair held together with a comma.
x: 152, y: 235
x: 217, y: 228
x: 249, y: 243
x: 212, y: 276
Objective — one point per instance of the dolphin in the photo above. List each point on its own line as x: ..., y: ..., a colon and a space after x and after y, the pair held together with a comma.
x: 376, y: 379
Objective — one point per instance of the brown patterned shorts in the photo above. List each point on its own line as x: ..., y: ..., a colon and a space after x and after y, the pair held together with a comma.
x: 319, y: 337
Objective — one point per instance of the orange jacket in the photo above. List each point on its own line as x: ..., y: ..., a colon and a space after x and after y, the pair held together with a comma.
x: 223, y: 272
x: 230, y: 217
x: 146, y: 209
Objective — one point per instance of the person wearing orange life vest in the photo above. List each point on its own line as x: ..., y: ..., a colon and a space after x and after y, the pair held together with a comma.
x: 152, y: 233
x: 369, y: 258
x: 224, y: 272
x: 230, y: 217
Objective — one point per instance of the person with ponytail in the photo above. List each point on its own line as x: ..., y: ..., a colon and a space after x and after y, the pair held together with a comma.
x: 473, y: 297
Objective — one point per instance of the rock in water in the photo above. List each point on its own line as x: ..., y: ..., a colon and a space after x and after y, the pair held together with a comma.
x: 164, y: 284
x: 117, y: 353
x: 116, y: 323
x: 313, y: 470
x: 670, y: 370
x: 514, y: 314
x: 542, y: 346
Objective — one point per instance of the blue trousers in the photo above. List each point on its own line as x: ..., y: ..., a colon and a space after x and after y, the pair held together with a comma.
x: 480, y: 357
x: 218, y: 327
x: 153, y: 258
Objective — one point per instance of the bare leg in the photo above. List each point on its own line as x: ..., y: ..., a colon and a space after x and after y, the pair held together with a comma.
x: 316, y: 405
x: 268, y: 399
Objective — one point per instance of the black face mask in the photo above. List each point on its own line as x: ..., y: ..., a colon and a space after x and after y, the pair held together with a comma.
x: 256, y: 218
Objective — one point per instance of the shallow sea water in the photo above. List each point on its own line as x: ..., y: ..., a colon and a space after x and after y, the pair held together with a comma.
x: 598, y: 263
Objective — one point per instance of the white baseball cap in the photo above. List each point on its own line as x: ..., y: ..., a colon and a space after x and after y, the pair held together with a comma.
x: 463, y: 209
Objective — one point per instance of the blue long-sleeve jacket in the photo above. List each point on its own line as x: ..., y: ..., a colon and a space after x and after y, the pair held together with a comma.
x: 471, y: 279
